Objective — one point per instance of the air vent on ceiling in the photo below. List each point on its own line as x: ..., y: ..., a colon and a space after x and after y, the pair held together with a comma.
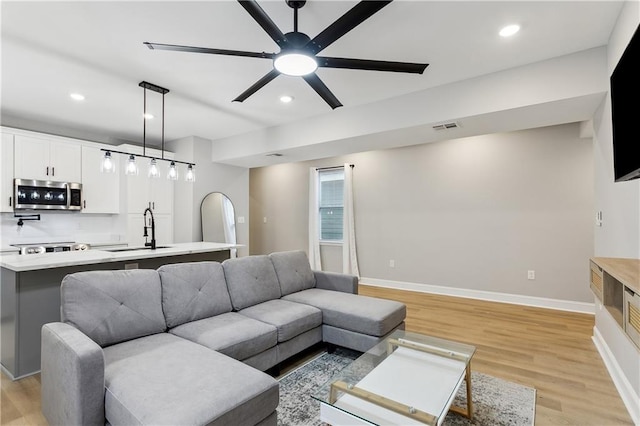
x: 446, y: 126
x: 275, y: 154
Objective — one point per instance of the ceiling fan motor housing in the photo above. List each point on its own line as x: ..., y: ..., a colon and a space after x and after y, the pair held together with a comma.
x: 296, y: 4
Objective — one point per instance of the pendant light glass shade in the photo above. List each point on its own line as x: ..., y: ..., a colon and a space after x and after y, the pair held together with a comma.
x: 107, y: 165
x: 154, y: 171
x: 190, y: 176
x: 132, y: 167
x: 173, y: 171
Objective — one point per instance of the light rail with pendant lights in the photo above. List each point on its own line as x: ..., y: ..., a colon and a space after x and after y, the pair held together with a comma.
x: 132, y: 168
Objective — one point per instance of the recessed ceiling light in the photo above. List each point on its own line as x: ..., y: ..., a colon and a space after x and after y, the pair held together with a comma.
x: 509, y: 30
x: 286, y: 99
x: 148, y: 116
x: 77, y: 96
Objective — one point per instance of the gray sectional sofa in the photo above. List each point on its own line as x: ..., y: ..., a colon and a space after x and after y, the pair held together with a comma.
x: 188, y: 344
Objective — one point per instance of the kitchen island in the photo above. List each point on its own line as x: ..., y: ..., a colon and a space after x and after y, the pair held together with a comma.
x: 30, y: 290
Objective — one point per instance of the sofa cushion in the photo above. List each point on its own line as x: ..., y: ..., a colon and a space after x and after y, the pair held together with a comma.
x: 291, y: 319
x: 166, y: 380
x: 232, y: 334
x: 113, y: 306
x: 368, y: 315
x: 192, y: 291
x: 293, y: 271
x: 251, y: 280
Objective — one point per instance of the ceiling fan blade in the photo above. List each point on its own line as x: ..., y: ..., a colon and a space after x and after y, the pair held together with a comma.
x: 260, y: 16
x: 371, y: 65
x: 354, y: 17
x: 257, y: 85
x: 322, y: 90
x: 193, y: 49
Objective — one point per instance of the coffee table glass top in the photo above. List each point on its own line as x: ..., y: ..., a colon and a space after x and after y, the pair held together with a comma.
x: 408, y: 378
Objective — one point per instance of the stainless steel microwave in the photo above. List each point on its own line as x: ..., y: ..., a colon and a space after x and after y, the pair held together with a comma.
x: 47, y: 195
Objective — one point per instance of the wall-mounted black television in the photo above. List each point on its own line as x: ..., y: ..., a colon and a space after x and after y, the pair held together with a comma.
x: 625, y: 94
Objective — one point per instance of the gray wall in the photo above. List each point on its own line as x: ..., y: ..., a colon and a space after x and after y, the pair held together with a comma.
x: 474, y: 213
x: 210, y: 177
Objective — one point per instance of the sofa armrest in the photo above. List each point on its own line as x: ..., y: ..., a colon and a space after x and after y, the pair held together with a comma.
x: 72, y: 376
x: 335, y: 281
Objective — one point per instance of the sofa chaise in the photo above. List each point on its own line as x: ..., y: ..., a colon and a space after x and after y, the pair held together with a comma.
x: 189, y: 343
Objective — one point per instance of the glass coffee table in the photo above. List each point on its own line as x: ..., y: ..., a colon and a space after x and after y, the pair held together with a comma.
x: 408, y: 378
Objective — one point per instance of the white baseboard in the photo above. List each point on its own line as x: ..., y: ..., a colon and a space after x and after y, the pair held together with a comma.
x: 517, y: 299
x: 628, y: 395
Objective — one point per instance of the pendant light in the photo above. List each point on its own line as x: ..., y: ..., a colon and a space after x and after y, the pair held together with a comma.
x: 173, y: 171
x: 107, y: 165
x: 191, y: 176
x: 132, y: 167
x: 154, y: 169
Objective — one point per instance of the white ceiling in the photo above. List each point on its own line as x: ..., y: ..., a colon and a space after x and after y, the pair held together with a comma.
x: 52, y: 48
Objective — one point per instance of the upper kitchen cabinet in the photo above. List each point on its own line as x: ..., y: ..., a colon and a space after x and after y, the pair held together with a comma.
x: 44, y: 159
x: 6, y: 173
x: 100, y: 191
x: 155, y: 193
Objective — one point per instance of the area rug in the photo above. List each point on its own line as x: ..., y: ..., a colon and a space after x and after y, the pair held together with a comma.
x: 496, y: 402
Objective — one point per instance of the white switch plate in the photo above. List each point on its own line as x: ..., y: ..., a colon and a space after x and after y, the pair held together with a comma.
x: 392, y: 263
x: 240, y: 219
x: 531, y: 275
x: 264, y: 219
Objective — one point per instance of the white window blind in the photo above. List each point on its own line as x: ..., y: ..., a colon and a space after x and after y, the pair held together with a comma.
x: 331, y: 198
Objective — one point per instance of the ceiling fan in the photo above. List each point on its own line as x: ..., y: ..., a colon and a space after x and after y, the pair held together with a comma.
x: 298, y: 54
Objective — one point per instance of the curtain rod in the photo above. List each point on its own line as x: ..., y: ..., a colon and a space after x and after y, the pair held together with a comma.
x: 334, y: 167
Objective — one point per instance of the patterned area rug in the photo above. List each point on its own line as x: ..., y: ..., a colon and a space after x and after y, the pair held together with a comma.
x: 496, y: 402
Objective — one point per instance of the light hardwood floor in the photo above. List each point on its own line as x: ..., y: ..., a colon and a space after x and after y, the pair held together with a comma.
x: 546, y: 349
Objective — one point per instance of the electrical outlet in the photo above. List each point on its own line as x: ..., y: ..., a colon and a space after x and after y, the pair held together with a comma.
x: 240, y: 219
x: 531, y: 275
x: 264, y: 219
x: 392, y: 263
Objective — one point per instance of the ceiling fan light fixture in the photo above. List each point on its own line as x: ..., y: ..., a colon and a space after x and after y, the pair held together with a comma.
x: 295, y: 63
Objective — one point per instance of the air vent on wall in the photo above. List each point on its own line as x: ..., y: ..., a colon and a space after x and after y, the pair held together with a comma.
x: 446, y: 126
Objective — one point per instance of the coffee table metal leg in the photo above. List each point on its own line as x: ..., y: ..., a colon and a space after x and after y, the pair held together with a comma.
x: 468, y: 412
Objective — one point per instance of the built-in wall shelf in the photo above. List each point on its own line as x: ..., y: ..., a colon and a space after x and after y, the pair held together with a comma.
x: 616, y: 282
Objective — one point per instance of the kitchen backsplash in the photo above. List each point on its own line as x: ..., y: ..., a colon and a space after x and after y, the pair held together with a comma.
x: 61, y: 226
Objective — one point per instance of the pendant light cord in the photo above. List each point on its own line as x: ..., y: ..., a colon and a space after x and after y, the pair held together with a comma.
x: 144, y: 123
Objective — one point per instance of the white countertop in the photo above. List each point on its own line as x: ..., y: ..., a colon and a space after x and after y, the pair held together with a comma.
x: 32, y: 262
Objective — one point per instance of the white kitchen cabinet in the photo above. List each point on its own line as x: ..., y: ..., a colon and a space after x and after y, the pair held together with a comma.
x: 144, y: 191
x: 163, y: 225
x: 44, y: 159
x: 6, y: 173
x: 100, y: 191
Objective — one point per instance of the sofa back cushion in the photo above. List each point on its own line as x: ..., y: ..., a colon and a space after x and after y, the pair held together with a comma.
x: 251, y: 280
x: 193, y: 291
x: 293, y: 271
x: 113, y: 306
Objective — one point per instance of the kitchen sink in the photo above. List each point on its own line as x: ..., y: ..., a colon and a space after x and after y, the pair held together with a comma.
x: 134, y: 249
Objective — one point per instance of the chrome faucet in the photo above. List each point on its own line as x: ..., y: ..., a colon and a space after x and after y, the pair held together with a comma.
x: 152, y: 244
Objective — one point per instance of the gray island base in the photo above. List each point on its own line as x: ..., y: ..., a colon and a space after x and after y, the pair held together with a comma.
x: 30, y: 291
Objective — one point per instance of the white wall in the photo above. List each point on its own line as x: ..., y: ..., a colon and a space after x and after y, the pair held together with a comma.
x: 210, y: 177
x: 619, y: 235
x: 475, y: 213
x: 59, y: 227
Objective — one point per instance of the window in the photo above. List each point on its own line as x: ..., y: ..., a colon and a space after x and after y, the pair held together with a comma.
x: 331, y: 190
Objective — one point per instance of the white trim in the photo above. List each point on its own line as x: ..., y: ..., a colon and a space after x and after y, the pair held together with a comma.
x: 336, y: 243
x: 10, y: 376
x: 628, y: 395
x: 517, y: 299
